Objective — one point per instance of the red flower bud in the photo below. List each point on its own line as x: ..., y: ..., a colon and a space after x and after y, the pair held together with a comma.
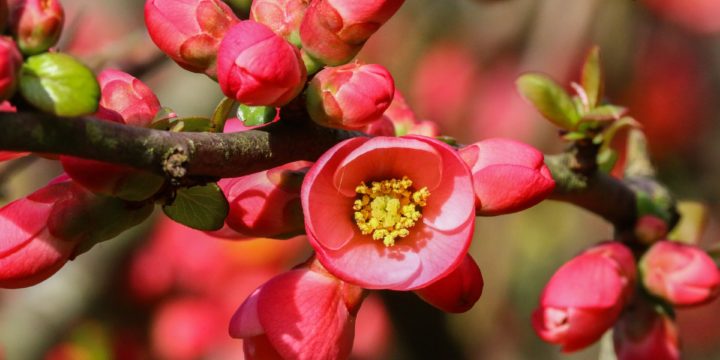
x: 282, y: 16
x: 36, y: 24
x: 508, y: 175
x: 382, y: 127
x: 126, y: 99
x: 683, y: 275
x: 649, y: 229
x: 351, y: 96
x: 257, y: 67
x: 266, y: 204
x: 642, y: 333
x: 189, y: 31
x: 458, y: 291
x: 334, y: 31
x: 10, y: 64
x: 585, y: 296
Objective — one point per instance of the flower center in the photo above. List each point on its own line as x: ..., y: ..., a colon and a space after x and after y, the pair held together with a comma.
x: 388, y: 209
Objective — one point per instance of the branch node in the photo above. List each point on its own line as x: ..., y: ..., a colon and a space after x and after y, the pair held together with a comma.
x: 175, y: 162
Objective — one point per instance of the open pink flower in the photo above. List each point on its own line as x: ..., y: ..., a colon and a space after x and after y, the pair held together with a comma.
x: 302, y: 314
x: 585, y: 296
x: 508, y: 175
x: 458, y: 291
x: 389, y: 213
x: 683, y: 275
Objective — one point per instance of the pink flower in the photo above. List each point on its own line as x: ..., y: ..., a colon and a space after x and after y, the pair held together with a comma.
x: 189, y: 31
x: 305, y: 313
x: 350, y: 96
x: 458, y: 291
x: 508, y: 176
x: 683, y: 275
x: 282, y: 16
x: 334, y: 31
x: 10, y: 63
x: 125, y: 99
x: 257, y: 67
x: 382, y: 127
x: 642, y: 333
x: 187, y: 328
x: 267, y: 203
x: 389, y: 213
x: 585, y: 296
x: 36, y: 24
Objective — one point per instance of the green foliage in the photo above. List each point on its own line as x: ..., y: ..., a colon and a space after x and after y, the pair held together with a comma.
x: 256, y: 115
x: 550, y: 99
x: 199, y: 207
x: 591, y: 78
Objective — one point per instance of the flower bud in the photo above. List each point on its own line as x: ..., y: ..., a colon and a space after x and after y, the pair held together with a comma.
x: 350, y: 96
x: 649, y: 229
x: 458, y: 291
x: 643, y: 333
x: 508, y: 175
x: 266, y: 204
x: 10, y: 65
x: 680, y: 274
x: 382, y: 127
x: 585, y: 296
x: 36, y: 24
x: 257, y: 67
x: 282, y: 16
x: 317, y: 308
x: 189, y: 31
x: 125, y: 99
x: 334, y: 31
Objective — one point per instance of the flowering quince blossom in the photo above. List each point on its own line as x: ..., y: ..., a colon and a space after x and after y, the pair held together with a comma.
x: 302, y: 314
x: 458, y: 291
x: 282, y: 16
x: 126, y: 100
x: 189, y: 31
x: 351, y: 96
x: 334, y: 31
x: 585, y: 296
x: 683, y: 275
x: 259, y: 68
x: 642, y: 333
x: 508, y: 176
x: 10, y: 63
x: 389, y: 213
x: 36, y: 24
x: 265, y: 204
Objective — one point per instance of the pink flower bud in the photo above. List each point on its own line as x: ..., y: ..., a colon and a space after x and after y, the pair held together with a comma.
x: 259, y: 68
x: 649, y: 229
x: 126, y: 98
x: 458, y: 291
x: 508, y: 175
x: 584, y: 297
x: 405, y: 120
x: 282, y: 16
x: 10, y: 64
x: 305, y: 313
x: 266, y: 204
x: 334, y: 31
x: 36, y: 24
x: 683, y: 275
x: 189, y: 31
x: 350, y: 96
x: 382, y: 127
x: 642, y: 333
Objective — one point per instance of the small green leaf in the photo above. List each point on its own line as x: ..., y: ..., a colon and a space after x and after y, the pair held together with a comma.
x: 191, y: 124
x: 162, y: 119
x: 606, y: 159
x: 448, y: 140
x: 605, y: 113
x: 199, y: 207
x: 256, y: 115
x: 592, y: 77
x: 221, y: 114
x: 59, y: 84
x: 574, y: 136
x: 550, y: 99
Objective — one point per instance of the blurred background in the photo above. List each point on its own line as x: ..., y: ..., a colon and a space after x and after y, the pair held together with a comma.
x: 163, y: 291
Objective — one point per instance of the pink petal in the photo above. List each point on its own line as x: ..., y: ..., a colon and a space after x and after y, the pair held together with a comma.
x: 245, y: 323
x: 586, y: 281
x: 259, y: 348
x: 20, y: 222
x: 507, y: 188
x: 458, y: 291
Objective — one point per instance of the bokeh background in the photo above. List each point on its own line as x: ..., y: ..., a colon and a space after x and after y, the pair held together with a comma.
x: 163, y: 291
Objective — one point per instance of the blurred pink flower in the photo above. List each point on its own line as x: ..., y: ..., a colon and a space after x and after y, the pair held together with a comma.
x: 641, y: 333
x: 257, y: 67
x: 683, y: 275
x: 389, y: 213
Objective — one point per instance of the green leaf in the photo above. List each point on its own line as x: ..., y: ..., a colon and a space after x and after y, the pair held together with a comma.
x: 605, y: 113
x: 162, y: 119
x: 606, y: 159
x: 256, y: 115
x: 574, y: 136
x: 592, y: 77
x: 550, y: 99
x: 693, y: 221
x: 221, y: 114
x: 191, y: 124
x: 199, y: 207
x: 59, y: 84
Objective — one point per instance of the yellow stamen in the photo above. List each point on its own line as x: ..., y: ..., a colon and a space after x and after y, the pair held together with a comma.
x: 387, y: 209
